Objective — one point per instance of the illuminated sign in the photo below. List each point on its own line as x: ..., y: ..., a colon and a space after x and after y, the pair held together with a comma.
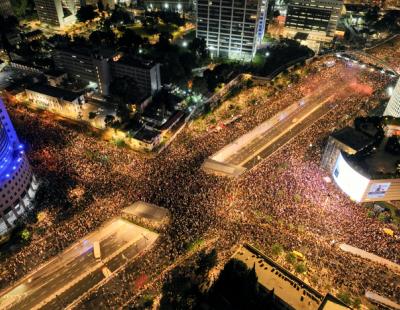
x: 378, y: 190
x: 350, y: 181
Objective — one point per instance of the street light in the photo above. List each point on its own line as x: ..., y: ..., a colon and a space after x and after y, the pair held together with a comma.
x: 267, y: 54
x: 184, y: 44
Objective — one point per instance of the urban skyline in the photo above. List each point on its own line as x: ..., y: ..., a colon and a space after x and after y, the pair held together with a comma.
x: 240, y: 154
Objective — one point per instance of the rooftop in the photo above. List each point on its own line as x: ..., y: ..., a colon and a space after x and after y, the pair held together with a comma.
x: 285, y: 285
x: 147, y: 135
x: 87, y: 51
x: 136, y: 62
x: 301, y: 36
x: 375, y: 155
x: 54, y: 73
x: 352, y: 138
x: 54, y: 92
x: 146, y: 210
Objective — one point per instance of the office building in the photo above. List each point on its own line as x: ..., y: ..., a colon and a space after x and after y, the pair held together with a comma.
x: 17, y: 183
x: 363, y: 163
x: 312, y: 22
x: 100, y: 67
x: 5, y: 8
x: 56, y: 12
x: 232, y: 28
x: 175, y: 6
x: 393, y: 106
x: 146, y: 73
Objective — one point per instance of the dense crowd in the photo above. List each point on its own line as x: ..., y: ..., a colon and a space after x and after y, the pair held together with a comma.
x: 389, y: 52
x: 283, y: 200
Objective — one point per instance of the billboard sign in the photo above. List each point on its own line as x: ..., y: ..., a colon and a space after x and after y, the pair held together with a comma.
x: 378, y: 190
x: 349, y: 180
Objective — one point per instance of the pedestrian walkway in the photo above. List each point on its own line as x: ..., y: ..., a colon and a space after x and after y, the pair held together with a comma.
x: 372, y: 257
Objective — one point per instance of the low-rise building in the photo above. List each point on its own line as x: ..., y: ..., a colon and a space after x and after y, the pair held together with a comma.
x: 147, y: 138
x: 56, y: 100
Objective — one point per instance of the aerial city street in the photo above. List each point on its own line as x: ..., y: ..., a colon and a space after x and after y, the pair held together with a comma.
x: 240, y: 154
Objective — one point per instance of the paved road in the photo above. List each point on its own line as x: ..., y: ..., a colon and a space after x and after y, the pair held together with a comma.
x: 268, y: 137
x: 75, y: 271
x: 307, y: 111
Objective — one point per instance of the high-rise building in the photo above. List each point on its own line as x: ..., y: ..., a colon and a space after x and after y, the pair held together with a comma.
x: 312, y: 21
x: 231, y: 28
x: 393, y: 106
x: 174, y: 5
x: 56, y: 12
x: 17, y: 183
x: 5, y: 8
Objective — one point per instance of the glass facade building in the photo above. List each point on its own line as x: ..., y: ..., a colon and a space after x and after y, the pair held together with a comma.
x: 231, y: 28
x: 393, y: 107
x: 317, y: 16
x: 17, y: 183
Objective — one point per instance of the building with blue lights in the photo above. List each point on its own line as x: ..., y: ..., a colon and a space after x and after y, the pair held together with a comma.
x: 18, y: 185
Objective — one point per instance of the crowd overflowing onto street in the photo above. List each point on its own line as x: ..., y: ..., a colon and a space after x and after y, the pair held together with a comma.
x: 283, y: 200
x: 389, y: 52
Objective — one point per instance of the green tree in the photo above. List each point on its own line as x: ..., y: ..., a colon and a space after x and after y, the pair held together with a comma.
x: 276, y: 249
x: 109, y: 120
x: 131, y: 40
x: 25, y: 235
x: 199, y: 48
x: 22, y: 8
x: 86, y: 12
x: 100, y: 6
x: 102, y: 38
x: 121, y: 16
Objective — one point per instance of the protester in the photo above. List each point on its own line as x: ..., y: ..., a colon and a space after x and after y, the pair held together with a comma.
x: 283, y: 200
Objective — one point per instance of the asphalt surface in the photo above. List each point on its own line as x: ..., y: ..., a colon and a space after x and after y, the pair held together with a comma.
x: 292, y: 133
x: 75, y: 271
x: 313, y: 107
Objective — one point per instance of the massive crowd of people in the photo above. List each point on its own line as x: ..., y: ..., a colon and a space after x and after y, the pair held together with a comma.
x: 389, y: 52
x: 283, y: 200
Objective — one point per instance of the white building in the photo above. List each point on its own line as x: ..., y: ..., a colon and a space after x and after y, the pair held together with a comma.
x: 56, y: 12
x: 393, y: 107
x: 232, y: 28
x: 56, y: 100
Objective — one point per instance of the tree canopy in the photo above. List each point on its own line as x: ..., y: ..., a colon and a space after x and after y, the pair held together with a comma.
x: 86, y: 12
